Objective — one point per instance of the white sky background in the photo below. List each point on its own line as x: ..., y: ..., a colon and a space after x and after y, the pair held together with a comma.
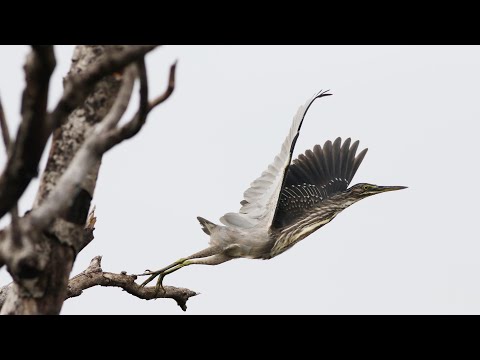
x: 409, y: 252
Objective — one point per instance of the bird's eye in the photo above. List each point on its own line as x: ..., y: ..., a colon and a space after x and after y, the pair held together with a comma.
x: 366, y: 187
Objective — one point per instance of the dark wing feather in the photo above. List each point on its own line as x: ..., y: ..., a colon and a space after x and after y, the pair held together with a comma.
x: 313, y: 165
x: 351, y: 159
x: 327, y: 152
x: 357, y: 162
x: 315, y: 176
x: 344, y: 157
x: 336, y: 164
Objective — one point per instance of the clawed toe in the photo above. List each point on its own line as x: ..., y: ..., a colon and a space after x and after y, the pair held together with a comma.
x: 152, y: 276
x: 160, y: 284
x: 162, y: 273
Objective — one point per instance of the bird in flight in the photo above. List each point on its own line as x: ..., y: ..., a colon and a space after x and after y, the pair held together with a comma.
x: 288, y: 202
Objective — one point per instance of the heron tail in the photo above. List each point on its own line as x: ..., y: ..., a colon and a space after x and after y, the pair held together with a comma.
x: 207, y: 226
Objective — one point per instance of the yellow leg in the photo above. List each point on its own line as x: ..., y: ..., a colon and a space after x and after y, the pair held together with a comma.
x: 210, y: 257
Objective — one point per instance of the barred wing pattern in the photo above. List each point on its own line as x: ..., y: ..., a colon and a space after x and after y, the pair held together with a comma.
x: 261, y: 198
x: 314, y: 177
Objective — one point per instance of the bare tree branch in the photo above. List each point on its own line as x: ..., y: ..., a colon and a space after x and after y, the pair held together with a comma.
x: 8, y: 142
x: 170, y: 88
x: 78, y: 86
x: 36, y: 128
x: 132, y: 127
x: 100, y: 141
x: 22, y: 164
x: 5, y: 131
x: 64, y: 193
x: 94, y: 276
x: 97, y: 92
x: 87, y: 239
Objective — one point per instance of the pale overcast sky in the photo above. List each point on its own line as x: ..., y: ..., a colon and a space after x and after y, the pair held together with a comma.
x: 409, y: 252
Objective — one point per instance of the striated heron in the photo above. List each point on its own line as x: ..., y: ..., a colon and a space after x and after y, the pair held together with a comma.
x: 288, y: 202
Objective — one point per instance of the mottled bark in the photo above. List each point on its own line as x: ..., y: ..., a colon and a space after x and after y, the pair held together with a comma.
x: 67, y: 140
x: 68, y: 228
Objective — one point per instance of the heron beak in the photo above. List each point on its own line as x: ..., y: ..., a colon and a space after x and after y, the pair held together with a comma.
x: 390, y: 188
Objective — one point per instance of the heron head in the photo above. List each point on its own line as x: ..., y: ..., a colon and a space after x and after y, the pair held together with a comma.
x: 364, y: 190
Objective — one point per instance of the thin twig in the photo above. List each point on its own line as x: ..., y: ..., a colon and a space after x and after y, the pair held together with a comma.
x: 170, y: 88
x: 132, y: 127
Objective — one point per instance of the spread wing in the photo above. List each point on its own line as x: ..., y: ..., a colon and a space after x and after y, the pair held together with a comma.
x: 260, y: 199
x: 316, y: 176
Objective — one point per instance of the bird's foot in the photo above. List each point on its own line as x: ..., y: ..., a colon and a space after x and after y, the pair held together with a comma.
x: 153, y: 274
x: 161, y: 274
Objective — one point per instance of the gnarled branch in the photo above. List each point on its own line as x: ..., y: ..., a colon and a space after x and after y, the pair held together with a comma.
x: 86, y: 123
x: 32, y: 135
x: 4, y: 126
x: 104, y: 136
x: 36, y: 127
x: 132, y: 127
x: 78, y: 86
x: 94, y: 276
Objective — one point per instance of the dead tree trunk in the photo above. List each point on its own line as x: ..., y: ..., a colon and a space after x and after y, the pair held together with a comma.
x: 40, y: 248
